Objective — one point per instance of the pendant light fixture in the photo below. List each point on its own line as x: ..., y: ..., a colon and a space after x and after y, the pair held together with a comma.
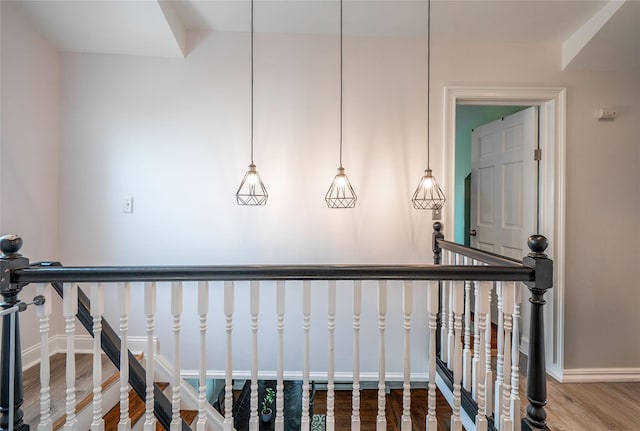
x: 341, y: 194
x: 428, y: 195
x: 252, y: 191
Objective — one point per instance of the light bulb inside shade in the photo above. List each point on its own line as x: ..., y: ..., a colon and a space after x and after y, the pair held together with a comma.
x: 340, y: 193
x: 427, y: 183
x: 252, y: 178
x: 252, y: 191
x: 428, y: 194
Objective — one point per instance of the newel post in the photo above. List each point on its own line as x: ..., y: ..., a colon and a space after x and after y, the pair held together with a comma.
x: 437, y: 235
x: 10, y: 260
x: 437, y: 259
x: 536, y: 371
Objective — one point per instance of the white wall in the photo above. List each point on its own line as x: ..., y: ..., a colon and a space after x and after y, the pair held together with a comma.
x: 603, y: 203
x: 174, y: 134
x: 29, y: 147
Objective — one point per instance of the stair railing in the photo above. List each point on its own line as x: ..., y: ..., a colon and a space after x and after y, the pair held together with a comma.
x: 110, y: 345
x: 469, y: 375
x: 439, y: 280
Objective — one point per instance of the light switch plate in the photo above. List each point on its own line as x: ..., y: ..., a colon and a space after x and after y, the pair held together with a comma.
x: 127, y: 204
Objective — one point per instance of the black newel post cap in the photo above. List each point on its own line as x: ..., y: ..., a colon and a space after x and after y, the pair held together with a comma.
x: 10, y: 245
x: 537, y: 244
x: 437, y: 226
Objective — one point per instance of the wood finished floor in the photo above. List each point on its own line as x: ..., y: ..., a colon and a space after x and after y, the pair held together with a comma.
x: 369, y: 408
x: 593, y: 406
x: 571, y: 406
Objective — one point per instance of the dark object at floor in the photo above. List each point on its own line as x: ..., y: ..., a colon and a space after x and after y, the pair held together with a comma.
x: 292, y: 405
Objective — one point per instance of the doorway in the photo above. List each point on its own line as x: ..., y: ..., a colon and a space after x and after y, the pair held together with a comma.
x: 551, y: 103
x: 469, y: 118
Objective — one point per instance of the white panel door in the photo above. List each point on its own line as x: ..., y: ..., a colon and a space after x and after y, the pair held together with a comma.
x: 504, y: 178
x: 504, y: 182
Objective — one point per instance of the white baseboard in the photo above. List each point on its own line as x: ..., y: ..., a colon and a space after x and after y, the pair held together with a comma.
x: 594, y: 375
x: 467, y: 421
x: 82, y: 344
x: 56, y: 344
x: 297, y: 375
x: 555, y: 372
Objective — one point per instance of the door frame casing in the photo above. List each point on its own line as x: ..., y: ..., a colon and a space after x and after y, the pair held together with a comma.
x: 551, y: 180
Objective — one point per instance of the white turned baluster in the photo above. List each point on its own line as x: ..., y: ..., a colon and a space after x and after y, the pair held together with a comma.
x: 444, y: 316
x: 176, y: 312
x: 150, y: 361
x: 488, y: 371
x: 355, y: 397
x: 331, y: 312
x: 97, y: 310
x: 451, y: 340
x: 457, y: 310
x: 280, y: 301
x: 306, y: 313
x: 432, y: 308
x: 466, y: 353
x: 381, y: 422
x: 476, y: 341
x: 444, y: 320
x: 507, y: 309
x: 70, y: 309
x: 203, y: 310
x: 124, y: 305
x: 497, y: 393
x: 407, y: 304
x: 44, y: 311
x: 254, y: 309
x: 483, y: 292
x: 515, y: 360
x: 228, y: 381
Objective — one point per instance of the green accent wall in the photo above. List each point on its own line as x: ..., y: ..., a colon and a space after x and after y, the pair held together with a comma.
x: 469, y: 117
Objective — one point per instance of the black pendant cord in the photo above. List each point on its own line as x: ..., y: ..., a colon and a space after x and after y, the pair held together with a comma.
x: 428, y: 78
x: 252, y: 82
x: 341, y: 84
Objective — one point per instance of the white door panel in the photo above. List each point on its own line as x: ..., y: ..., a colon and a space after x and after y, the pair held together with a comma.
x: 504, y: 178
x: 485, y: 246
x: 486, y: 201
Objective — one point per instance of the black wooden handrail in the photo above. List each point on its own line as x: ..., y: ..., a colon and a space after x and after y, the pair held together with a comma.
x: 535, y: 270
x: 48, y: 274
x: 479, y: 255
x: 439, y: 244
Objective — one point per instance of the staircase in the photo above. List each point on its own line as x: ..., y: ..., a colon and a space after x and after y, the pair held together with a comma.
x: 85, y: 395
x: 136, y: 412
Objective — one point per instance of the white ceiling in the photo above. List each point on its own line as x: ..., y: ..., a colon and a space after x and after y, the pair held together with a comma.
x: 158, y: 28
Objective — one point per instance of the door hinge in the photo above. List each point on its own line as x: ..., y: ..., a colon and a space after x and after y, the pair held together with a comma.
x: 537, y: 154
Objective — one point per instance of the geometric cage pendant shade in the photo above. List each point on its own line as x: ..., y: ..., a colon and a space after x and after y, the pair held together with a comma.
x: 428, y: 194
x: 340, y: 193
x: 252, y: 191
